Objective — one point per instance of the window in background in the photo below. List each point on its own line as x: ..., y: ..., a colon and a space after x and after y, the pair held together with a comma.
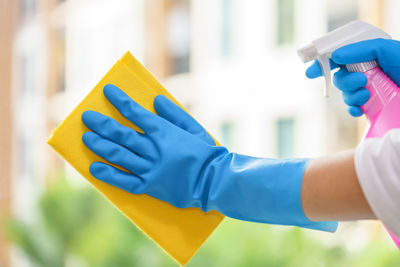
x: 27, y: 156
x: 285, y: 137
x: 226, y: 27
x: 227, y: 134
x: 60, y: 59
x: 28, y: 8
x: 26, y: 100
x: 285, y: 22
x: 341, y: 12
x: 28, y: 73
x: 178, y: 36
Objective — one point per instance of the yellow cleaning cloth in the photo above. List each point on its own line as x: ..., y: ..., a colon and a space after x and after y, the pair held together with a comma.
x: 180, y: 232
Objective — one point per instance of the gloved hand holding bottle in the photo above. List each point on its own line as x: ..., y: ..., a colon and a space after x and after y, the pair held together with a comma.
x: 177, y: 161
x: 385, y: 51
x: 372, y: 87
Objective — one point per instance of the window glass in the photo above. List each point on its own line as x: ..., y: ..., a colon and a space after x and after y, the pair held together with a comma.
x: 226, y: 27
x: 28, y: 73
x: 28, y: 6
x: 60, y: 59
x: 341, y: 12
x: 27, y: 157
x: 285, y: 21
x: 178, y: 37
x: 285, y: 137
x: 227, y: 134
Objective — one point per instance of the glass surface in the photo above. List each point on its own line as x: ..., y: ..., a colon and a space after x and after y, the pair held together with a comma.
x: 285, y: 21
x: 285, y: 137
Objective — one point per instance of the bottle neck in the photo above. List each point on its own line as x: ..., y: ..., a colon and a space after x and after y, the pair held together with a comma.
x: 362, y: 66
x: 381, y: 88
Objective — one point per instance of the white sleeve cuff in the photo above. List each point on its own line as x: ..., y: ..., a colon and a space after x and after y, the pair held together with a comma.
x: 377, y: 164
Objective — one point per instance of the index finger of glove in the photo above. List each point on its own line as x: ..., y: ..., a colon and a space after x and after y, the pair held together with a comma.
x: 144, y: 119
x: 314, y: 71
x: 171, y: 112
x: 357, y: 52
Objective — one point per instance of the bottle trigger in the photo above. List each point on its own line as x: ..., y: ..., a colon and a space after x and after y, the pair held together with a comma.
x: 326, y: 71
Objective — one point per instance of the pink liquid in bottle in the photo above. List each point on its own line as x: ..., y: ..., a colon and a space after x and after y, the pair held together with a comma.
x: 383, y: 107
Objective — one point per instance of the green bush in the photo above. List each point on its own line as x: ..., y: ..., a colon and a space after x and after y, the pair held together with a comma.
x: 79, y: 227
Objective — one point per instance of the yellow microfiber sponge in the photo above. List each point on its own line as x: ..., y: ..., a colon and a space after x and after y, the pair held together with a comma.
x: 180, y: 232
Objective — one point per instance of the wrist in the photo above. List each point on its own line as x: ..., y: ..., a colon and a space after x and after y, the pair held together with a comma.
x: 331, y: 191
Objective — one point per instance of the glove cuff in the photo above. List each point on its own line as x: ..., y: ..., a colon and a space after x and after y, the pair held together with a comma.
x: 260, y: 190
x: 292, y: 171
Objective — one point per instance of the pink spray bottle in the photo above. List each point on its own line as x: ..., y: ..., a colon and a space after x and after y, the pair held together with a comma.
x: 383, y: 108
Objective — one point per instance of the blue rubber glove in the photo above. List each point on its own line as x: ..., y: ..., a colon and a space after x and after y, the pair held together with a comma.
x: 177, y: 161
x: 386, y: 52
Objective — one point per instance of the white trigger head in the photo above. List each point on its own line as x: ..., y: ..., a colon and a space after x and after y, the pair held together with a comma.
x: 322, y: 48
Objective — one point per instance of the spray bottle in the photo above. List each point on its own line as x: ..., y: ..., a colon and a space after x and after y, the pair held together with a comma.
x: 383, y: 108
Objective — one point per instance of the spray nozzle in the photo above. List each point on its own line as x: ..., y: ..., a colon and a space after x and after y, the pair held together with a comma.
x: 321, y: 49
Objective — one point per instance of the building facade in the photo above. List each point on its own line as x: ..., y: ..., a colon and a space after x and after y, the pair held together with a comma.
x: 232, y: 63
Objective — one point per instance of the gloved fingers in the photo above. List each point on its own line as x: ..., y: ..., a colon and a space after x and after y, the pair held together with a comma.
x: 358, y: 52
x: 355, y: 111
x: 314, y: 71
x: 111, y: 129
x: 144, y: 119
x: 385, y: 51
x: 115, y: 153
x: 356, y: 98
x: 171, y: 112
x: 115, y: 177
x: 349, y: 81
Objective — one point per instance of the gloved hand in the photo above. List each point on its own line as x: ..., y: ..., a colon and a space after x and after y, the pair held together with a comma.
x: 386, y: 52
x: 177, y: 161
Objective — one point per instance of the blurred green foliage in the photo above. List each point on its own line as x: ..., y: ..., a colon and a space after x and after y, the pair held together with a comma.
x: 78, y: 227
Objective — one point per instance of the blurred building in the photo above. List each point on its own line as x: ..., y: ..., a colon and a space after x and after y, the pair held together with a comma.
x: 232, y: 63
x: 8, y: 11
